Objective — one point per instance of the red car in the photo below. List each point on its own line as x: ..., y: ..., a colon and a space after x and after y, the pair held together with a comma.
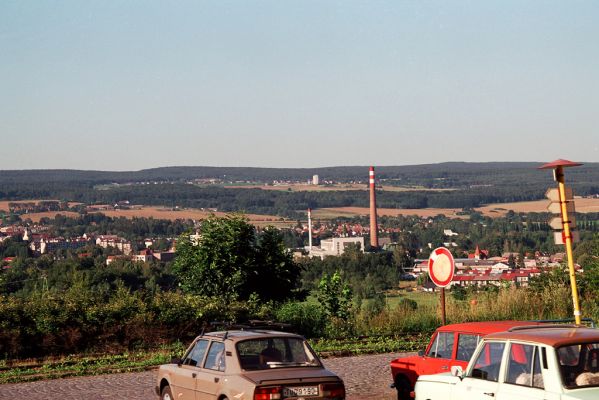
x: 450, y: 345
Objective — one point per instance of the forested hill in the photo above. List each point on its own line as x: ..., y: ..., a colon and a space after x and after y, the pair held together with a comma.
x: 451, y: 174
x: 476, y: 184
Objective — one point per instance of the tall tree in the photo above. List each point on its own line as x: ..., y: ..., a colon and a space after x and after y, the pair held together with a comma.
x: 231, y: 261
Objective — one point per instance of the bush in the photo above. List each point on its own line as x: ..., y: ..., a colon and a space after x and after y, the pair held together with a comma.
x: 308, y: 319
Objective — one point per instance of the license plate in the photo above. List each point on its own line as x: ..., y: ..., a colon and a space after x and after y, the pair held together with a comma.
x: 300, y: 391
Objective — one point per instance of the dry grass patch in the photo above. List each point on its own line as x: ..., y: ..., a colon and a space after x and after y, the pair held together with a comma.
x: 499, y: 210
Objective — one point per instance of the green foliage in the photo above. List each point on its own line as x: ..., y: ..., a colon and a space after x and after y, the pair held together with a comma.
x: 308, y: 319
x: 408, y: 304
x: 335, y: 296
x: 230, y: 262
x: 459, y: 293
x: 365, y: 273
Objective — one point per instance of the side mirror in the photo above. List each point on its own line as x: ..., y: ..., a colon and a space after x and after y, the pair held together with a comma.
x: 420, y: 353
x: 457, y: 370
x: 176, y: 360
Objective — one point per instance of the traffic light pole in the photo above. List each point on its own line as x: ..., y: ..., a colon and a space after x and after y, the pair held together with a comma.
x: 559, y: 177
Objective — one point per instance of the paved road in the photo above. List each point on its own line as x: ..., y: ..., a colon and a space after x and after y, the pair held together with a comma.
x: 366, y: 378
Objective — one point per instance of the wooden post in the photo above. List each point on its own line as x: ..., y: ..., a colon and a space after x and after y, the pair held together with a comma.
x: 443, y: 319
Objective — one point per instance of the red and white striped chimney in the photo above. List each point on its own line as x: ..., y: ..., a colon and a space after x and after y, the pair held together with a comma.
x: 374, y: 227
x: 310, y: 228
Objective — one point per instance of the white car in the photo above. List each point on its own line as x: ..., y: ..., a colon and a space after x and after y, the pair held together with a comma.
x: 554, y: 362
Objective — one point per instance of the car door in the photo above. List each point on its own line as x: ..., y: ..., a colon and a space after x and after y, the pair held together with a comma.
x: 482, y: 379
x: 524, y: 375
x: 211, y: 377
x: 439, y: 355
x: 183, y: 381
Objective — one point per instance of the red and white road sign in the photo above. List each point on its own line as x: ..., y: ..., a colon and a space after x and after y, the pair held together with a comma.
x: 441, y: 266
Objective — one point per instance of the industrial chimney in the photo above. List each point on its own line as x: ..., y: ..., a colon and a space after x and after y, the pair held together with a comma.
x: 374, y: 227
x: 310, y: 229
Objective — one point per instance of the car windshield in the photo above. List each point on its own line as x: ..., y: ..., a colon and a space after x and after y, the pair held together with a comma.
x: 579, y: 365
x: 275, y: 352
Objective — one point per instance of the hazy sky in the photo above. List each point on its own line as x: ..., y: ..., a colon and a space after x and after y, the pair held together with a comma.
x: 126, y: 85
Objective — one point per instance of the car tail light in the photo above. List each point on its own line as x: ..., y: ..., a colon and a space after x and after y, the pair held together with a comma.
x: 268, y: 393
x: 333, y: 390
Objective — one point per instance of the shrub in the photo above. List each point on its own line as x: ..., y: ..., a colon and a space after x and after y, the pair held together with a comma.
x: 308, y: 319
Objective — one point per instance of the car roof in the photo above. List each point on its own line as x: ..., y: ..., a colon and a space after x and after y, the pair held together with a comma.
x: 486, y: 327
x: 237, y: 335
x: 554, y: 336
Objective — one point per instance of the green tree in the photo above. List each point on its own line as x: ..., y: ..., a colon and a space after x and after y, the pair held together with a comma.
x: 402, y: 259
x: 335, y: 296
x: 232, y: 262
x: 275, y: 276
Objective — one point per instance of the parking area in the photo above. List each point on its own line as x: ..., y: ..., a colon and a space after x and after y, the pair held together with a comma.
x: 366, y: 378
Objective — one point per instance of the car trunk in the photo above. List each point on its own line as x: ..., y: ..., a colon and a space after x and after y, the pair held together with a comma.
x: 286, y: 376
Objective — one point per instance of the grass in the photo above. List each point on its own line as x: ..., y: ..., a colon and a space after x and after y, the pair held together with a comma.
x: 370, y: 345
x: 21, y: 371
x: 398, y: 327
x: 18, y: 371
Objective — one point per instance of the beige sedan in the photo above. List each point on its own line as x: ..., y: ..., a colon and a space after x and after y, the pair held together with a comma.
x: 248, y: 365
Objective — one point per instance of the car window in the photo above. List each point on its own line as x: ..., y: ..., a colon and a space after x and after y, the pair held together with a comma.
x: 196, y: 355
x: 466, y: 345
x: 579, y: 364
x: 275, y: 353
x: 442, y: 347
x: 216, y: 357
x: 488, y: 362
x: 524, y: 366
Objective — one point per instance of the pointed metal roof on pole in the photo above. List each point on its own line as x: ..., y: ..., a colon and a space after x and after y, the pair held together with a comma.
x: 560, y: 163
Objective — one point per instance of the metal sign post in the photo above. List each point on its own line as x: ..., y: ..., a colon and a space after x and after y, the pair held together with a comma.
x: 565, y: 196
x: 440, y: 269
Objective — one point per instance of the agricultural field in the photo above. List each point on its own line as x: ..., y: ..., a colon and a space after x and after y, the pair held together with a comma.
x: 583, y: 205
x: 4, y: 203
x: 36, y: 217
x: 165, y: 213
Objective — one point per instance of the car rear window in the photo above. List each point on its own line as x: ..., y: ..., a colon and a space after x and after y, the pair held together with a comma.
x: 524, y: 366
x: 216, y: 357
x: 275, y: 352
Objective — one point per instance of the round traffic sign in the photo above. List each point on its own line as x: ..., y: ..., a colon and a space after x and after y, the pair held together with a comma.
x: 441, y: 266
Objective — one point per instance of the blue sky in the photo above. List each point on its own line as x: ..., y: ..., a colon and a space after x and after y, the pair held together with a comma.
x: 126, y: 85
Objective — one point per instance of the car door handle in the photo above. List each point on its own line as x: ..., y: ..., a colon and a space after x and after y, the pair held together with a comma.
x: 216, y: 380
x: 193, y: 375
x: 489, y: 394
x: 444, y: 367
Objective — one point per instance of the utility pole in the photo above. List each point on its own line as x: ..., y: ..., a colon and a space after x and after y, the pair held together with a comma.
x: 564, y: 198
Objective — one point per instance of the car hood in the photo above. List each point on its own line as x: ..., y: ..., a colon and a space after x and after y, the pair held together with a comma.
x: 582, y: 394
x: 406, y: 362
x: 290, y: 375
x: 444, y: 377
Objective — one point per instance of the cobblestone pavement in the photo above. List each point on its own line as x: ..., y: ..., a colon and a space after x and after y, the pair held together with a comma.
x: 366, y: 378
